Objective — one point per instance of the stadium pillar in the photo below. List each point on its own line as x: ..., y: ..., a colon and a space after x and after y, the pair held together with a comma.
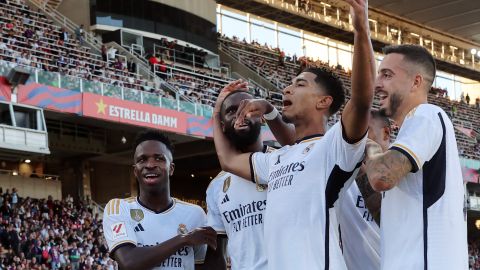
x: 76, y: 178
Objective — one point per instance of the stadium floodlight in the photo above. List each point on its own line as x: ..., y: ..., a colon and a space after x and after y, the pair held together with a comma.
x: 27, y: 160
x: 477, y: 224
x: 473, y: 51
x: 478, y: 53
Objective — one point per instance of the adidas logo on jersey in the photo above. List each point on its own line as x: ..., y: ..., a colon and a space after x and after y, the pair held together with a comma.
x: 225, y: 199
x: 139, y: 228
x: 278, y: 160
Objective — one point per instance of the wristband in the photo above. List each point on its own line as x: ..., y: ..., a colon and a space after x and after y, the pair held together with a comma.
x: 271, y: 115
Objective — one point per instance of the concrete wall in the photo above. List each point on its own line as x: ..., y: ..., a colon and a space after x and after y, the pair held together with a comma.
x: 32, y: 187
x: 203, y: 8
x: 76, y: 10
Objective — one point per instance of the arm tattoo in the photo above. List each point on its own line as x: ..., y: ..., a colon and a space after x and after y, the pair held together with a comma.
x: 392, y: 166
x: 372, y: 199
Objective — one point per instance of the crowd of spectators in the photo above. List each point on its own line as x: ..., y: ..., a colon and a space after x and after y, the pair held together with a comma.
x: 44, y: 234
x: 274, y: 66
x: 473, y: 256
x: 29, y: 38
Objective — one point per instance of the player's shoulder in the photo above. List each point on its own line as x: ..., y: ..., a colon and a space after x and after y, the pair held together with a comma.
x: 218, y: 180
x: 425, y: 110
x: 115, y: 206
x: 188, y: 207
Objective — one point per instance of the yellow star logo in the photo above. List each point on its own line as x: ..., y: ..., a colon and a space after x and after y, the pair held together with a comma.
x: 101, y: 106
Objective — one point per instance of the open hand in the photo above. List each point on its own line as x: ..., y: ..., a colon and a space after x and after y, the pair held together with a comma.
x: 233, y: 86
x: 202, y: 235
x: 359, y: 11
x: 250, y: 108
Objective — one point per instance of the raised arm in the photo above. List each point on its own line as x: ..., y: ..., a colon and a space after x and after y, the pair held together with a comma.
x: 230, y: 158
x: 138, y: 258
x: 284, y: 133
x: 356, y: 113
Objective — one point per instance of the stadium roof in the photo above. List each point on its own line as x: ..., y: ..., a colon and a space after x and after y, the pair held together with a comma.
x: 456, y: 17
x: 258, y: 8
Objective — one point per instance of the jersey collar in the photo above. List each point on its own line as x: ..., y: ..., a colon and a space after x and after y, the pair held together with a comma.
x: 309, y: 138
x: 156, y: 212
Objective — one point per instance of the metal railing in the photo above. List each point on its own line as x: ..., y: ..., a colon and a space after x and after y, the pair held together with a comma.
x: 101, y: 88
x: 68, y: 24
x: 51, y: 177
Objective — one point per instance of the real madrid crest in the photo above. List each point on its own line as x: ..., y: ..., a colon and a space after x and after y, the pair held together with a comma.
x: 308, y: 148
x: 226, y: 184
x: 261, y: 187
x: 182, y: 229
x: 136, y: 214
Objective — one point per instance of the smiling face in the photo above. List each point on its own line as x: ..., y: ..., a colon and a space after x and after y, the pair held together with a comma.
x: 245, y: 134
x: 153, y: 165
x: 303, y: 97
x: 393, y: 84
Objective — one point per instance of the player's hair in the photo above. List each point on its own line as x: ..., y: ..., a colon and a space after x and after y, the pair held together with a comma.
x: 153, y: 135
x: 377, y: 115
x: 417, y: 55
x: 332, y: 84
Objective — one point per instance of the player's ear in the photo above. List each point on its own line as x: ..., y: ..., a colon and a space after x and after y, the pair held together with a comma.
x: 323, y: 102
x: 135, y: 172
x: 417, y: 82
x: 222, y: 125
x: 386, y: 134
x: 172, y: 168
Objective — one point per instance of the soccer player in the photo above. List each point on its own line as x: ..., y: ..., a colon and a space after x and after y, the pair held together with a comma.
x: 304, y: 180
x: 154, y: 230
x: 423, y: 225
x: 236, y: 207
x: 359, y: 209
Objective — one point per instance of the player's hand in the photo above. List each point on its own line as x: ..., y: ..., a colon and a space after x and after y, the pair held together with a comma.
x: 250, y: 108
x: 202, y: 235
x: 359, y: 12
x: 233, y: 86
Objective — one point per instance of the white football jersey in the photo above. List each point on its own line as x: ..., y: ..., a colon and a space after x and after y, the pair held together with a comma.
x: 423, y: 223
x: 236, y: 207
x: 360, y: 235
x: 304, y: 181
x: 127, y: 221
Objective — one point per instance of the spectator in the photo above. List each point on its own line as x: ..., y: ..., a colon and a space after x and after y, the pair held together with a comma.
x: 63, y: 35
x: 79, y: 34
x: 467, y: 99
x: 14, y: 197
x: 477, y: 103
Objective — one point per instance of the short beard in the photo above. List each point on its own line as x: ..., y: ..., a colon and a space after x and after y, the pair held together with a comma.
x: 395, y: 101
x: 243, y: 140
x: 286, y: 119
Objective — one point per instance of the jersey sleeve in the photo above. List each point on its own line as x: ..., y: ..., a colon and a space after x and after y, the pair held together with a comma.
x: 214, y: 218
x: 259, y: 165
x: 347, y: 155
x: 116, y: 226
x: 200, y: 251
x: 419, y: 138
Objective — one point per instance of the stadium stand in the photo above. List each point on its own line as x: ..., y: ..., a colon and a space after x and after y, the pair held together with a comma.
x: 275, y: 67
x: 51, y: 234
x: 28, y: 38
x: 474, y: 256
